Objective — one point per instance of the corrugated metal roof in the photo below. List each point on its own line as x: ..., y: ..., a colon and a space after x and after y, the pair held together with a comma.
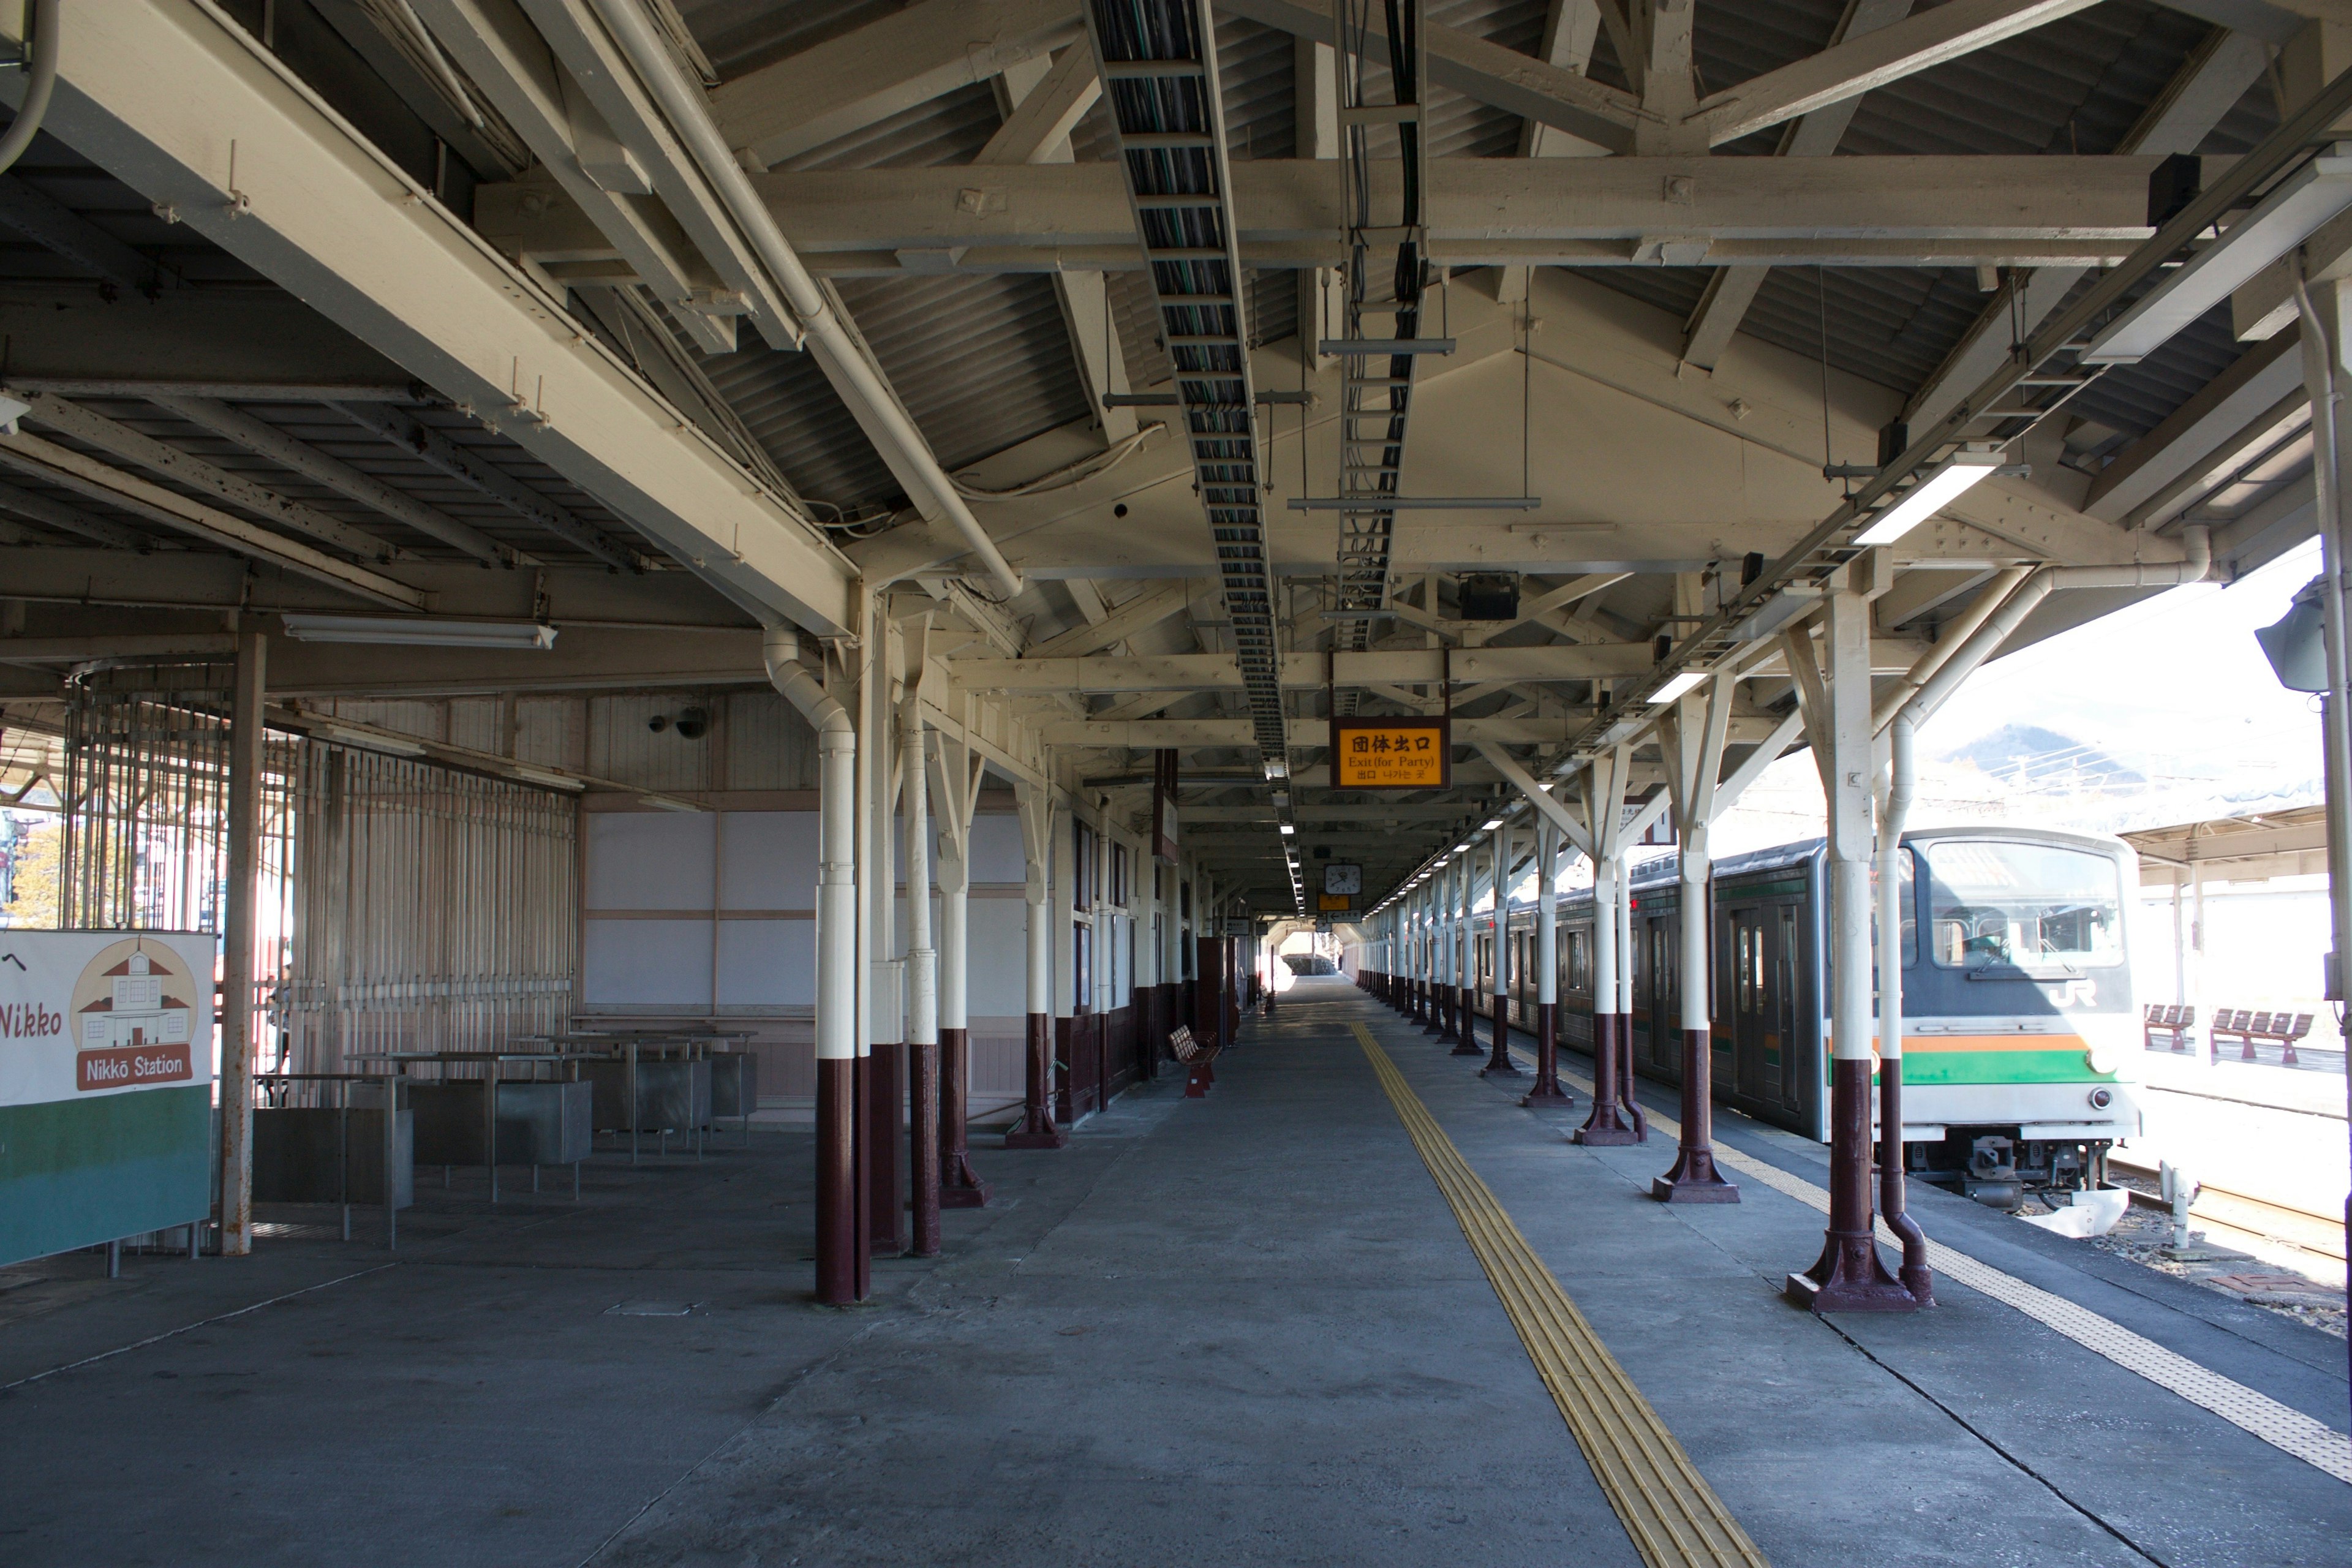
x: 2081, y: 83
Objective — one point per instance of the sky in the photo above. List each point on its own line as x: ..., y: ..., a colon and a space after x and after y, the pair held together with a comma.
x: 2176, y: 681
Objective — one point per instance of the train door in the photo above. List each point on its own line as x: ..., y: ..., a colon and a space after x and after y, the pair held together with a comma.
x: 1784, y: 960
x: 1755, y: 1057
x: 1661, y: 957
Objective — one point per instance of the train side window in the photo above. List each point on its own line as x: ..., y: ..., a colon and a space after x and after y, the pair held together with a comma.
x: 1580, y: 967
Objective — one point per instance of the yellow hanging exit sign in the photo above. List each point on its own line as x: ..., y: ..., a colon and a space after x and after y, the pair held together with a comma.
x: 1392, y: 753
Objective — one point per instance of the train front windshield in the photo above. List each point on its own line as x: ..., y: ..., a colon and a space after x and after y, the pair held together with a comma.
x: 2035, y: 906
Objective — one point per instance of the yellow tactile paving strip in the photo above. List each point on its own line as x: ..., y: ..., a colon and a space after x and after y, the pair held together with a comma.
x: 1675, y: 1518
x: 2281, y: 1425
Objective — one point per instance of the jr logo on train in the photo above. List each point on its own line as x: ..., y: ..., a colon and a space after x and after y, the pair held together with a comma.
x: 2017, y: 1003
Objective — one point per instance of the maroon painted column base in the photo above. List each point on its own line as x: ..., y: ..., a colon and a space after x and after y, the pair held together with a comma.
x: 1036, y: 1128
x: 1626, y: 1103
x: 923, y: 1145
x: 836, y: 1181
x: 1850, y: 1275
x: 885, y: 1126
x: 1606, y: 1127
x: 1498, y: 1062
x: 1547, y: 1090
x: 1693, y: 1178
x: 1441, y: 1011
x: 1464, y: 1030
x: 959, y: 1186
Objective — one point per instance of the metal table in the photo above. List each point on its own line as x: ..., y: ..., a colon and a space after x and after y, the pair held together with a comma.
x: 629, y: 1045
x: 395, y: 1073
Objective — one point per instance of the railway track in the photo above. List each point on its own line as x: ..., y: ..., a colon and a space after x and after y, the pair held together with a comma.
x: 2218, y: 1209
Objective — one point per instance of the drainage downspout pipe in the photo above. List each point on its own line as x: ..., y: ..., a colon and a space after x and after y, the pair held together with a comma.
x: 1892, y: 1205
x: 38, y: 86
x: 836, y: 964
x: 844, y: 359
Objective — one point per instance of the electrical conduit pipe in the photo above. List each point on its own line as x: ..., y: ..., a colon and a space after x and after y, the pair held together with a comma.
x: 836, y: 965
x: 838, y: 353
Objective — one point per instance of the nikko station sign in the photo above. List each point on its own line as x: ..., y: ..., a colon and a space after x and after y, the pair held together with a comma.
x: 1392, y: 753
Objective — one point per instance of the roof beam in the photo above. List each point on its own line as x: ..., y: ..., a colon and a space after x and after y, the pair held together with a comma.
x: 1199, y: 734
x: 507, y: 58
x: 1854, y: 67
x: 50, y: 224
x: 1571, y: 28
x: 51, y: 513
x: 2206, y: 427
x: 134, y: 445
x: 2204, y: 90
x: 1305, y: 671
x: 267, y: 440
x: 1576, y: 209
x: 333, y: 219
x: 1477, y: 69
x: 1733, y: 288
x: 413, y: 435
x: 1140, y: 614
x: 88, y: 476
x: 195, y: 339
x: 1045, y: 102
x: 907, y: 59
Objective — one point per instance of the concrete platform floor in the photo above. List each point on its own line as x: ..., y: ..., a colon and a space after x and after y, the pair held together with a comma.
x: 1238, y: 1331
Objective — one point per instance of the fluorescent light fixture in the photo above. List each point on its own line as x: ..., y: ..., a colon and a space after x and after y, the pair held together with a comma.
x: 1287, y: 829
x: 1490, y: 825
x: 400, y: 631
x: 1943, y: 484
x: 2285, y: 220
x: 1677, y: 686
x: 1276, y: 768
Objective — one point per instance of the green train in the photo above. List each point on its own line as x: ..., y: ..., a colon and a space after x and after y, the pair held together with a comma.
x: 2019, y: 1021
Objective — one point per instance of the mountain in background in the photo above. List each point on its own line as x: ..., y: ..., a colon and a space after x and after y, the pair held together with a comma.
x: 2031, y: 756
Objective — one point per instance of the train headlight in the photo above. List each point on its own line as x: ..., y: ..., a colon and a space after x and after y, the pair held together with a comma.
x: 2110, y: 1040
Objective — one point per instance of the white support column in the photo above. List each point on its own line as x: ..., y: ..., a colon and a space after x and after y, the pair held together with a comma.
x: 241, y: 1012
x: 885, y: 1126
x: 1694, y: 742
x: 1849, y: 1273
x: 1498, y: 1058
x: 1037, y: 1129
x: 922, y: 1053
x: 955, y: 775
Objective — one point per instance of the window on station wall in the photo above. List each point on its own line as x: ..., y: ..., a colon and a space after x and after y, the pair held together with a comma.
x: 1116, y: 891
x: 1082, y: 953
x: 1082, y: 868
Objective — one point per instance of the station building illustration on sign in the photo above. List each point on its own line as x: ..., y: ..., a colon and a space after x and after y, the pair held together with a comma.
x: 133, y: 1016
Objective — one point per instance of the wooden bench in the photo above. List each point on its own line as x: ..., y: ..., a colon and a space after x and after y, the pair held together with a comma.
x: 2176, y: 1021
x: 2229, y: 1026
x: 2253, y: 1030
x: 1200, y: 1076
